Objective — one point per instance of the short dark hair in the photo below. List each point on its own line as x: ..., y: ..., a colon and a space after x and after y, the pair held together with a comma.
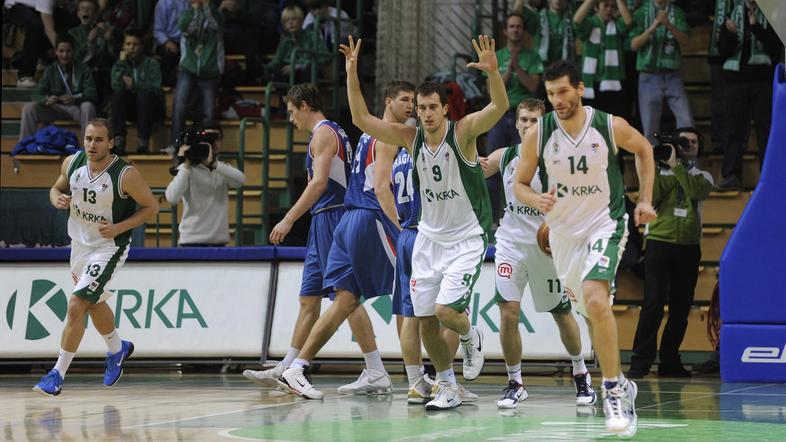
x: 531, y: 104
x: 64, y: 38
x: 561, y: 68
x: 136, y: 33
x: 213, y: 126
x: 395, y: 87
x: 305, y: 93
x: 516, y: 14
x: 314, y: 4
x: 429, y: 88
x: 110, y: 132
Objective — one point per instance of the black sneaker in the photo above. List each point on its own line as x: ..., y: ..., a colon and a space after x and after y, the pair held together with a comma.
x: 585, y: 395
x: 729, y: 184
x: 710, y: 366
x: 673, y: 371
x: 637, y: 373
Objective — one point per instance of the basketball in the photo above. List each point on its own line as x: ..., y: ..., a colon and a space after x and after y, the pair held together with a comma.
x: 543, y: 239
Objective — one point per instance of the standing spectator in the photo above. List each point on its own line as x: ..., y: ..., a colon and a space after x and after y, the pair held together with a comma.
x: 327, y: 28
x: 136, y: 82
x: 166, y: 34
x: 718, y: 117
x: 751, y: 46
x: 204, y: 188
x: 294, y: 37
x: 555, y: 40
x: 94, y: 46
x: 530, y: 14
x: 659, y: 31
x: 672, y: 258
x: 201, y: 63
x: 66, y: 91
x: 602, y: 59
x: 36, y: 17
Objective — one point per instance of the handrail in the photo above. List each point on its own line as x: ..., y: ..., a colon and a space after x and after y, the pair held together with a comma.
x: 241, y: 157
x: 172, y: 219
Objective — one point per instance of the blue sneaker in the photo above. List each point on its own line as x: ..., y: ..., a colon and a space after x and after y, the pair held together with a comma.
x: 114, y: 363
x: 51, y: 384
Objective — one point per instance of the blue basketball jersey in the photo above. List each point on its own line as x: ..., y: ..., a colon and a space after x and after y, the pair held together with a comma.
x: 333, y: 196
x: 360, y: 192
x: 407, y: 197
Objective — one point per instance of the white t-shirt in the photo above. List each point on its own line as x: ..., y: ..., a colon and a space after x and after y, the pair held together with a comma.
x: 328, y: 27
x: 42, y: 6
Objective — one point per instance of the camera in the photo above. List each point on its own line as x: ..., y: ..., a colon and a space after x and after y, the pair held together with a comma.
x: 200, y: 143
x: 668, y: 142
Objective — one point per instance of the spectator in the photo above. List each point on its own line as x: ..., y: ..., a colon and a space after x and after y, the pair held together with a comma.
x: 294, y: 37
x: 602, y: 59
x: 528, y: 10
x: 36, y: 17
x: 718, y: 111
x: 672, y: 257
x: 659, y: 31
x: 751, y: 45
x: 94, y: 45
x: 136, y: 82
x: 166, y: 36
x: 66, y: 91
x: 250, y: 29
x: 201, y: 64
x: 204, y: 189
x: 327, y: 28
x: 555, y: 40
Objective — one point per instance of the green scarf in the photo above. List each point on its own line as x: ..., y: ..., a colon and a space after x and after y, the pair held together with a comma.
x: 564, y: 33
x: 722, y: 8
x: 602, y: 58
x: 662, y: 53
x: 758, y: 55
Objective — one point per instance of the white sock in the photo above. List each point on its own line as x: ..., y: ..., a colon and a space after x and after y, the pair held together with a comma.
x: 374, y: 361
x: 447, y: 376
x: 468, y: 337
x: 299, y: 363
x: 291, y: 355
x: 113, y: 341
x: 578, y: 364
x: 514, y: 373
x: 64, y: 361
x: 621, y: 378
x: 414, y: 373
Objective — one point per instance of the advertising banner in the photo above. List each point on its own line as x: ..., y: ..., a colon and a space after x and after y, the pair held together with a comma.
x: 540, y: 335
x: 168, y: 309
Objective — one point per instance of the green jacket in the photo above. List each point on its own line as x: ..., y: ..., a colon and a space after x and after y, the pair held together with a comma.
x: 80, y: 81
x: 145, y: 72
x: 202, y: 44
x: 99, y: 55
x: 305, y: 39
x: 677, y: 196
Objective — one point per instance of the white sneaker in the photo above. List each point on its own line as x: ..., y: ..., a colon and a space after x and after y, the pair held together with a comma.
x: 447, y: 397
x: 369, y: 382
x: 512, y: 395
x: 617, y: 419
x: 473, y: 355
x: 466, y: 395
x: 585, y: 395
x: 298, y: 381
x: 629, y: 407
x: 26, y: 82
x: 420, y: 392
x: 267, y: 378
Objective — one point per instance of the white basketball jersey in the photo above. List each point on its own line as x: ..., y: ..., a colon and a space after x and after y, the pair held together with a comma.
x: 520, y: 222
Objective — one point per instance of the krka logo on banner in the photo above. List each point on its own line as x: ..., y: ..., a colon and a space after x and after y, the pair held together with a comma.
x: 47, y: 306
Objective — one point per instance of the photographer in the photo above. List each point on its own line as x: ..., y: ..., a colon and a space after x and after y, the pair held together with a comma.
x: 672, y: 253
x: 203, y: 184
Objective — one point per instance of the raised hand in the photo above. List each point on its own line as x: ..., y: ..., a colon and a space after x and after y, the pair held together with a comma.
x: 351, y: 54
x: 487, y: 57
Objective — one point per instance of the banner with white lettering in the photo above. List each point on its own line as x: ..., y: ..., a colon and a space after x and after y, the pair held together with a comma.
x: 168, y: 309
x: 539, y: 333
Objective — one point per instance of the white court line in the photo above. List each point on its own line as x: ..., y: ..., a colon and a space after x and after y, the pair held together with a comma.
x: 257, y: 407
x: 704, y: 396
x: 225, y: 433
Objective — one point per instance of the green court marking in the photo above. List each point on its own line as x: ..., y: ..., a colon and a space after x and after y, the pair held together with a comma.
x: 451, y: 425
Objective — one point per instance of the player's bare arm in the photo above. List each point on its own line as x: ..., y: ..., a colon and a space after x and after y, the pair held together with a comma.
x: 323, y: 148
x: 59, y: 193
x: 490, y: 164
x: 476, y: 123
x: 525, y: 171
x: 634, y: 142
x: 384, y: 155
x: 133, y: 185
x: 389, y: 133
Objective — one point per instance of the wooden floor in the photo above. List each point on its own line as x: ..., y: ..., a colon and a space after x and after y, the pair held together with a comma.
x: 168, y: 406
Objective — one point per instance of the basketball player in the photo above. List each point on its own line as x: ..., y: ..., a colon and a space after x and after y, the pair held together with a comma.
x: 581, y: 193
x: 101, y: 192
x: 520, y: 262
x: 328, y: 164
x: 455, y: 216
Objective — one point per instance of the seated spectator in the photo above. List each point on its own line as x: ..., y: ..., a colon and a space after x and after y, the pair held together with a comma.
x: 136, y: 82
x: 659, y: 31
x: 36, y: 18
x: 294, y: 37
x: 327, y: 28
x: 555, y: 40
x: 751, y: 48
x: 602, y: 59
x: 201, y: 64
x: 66, y: 91
x: 94, y: 45
x: 672, y: 257
x: 166, y: 36
x: 203, y: 186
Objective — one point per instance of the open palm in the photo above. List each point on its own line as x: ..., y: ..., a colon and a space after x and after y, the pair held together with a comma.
x: 487, y: 57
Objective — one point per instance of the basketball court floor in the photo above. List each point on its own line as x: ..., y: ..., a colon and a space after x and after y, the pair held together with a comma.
x: 169, y: 406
